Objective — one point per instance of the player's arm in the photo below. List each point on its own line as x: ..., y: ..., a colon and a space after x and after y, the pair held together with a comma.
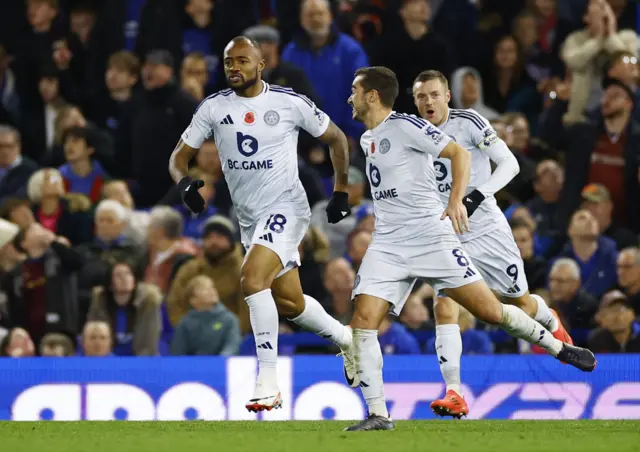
x: 460, y: 173
x: 192, y: 138
x: 339, y: 152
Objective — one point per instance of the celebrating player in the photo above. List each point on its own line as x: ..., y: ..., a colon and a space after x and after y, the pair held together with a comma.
x: 256, y: 129
x: 413, y: 238
x: 490, y: 242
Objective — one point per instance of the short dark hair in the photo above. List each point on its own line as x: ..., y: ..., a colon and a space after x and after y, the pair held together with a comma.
x: 82, y: 133
x: 516, y: 223
x: 427, y: 76
x: 382, y: 80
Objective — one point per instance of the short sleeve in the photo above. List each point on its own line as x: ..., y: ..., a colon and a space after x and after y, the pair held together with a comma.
x: 308, y: 116
x: 423, y: 136
x: 480, y: 131
x: 201, y: 126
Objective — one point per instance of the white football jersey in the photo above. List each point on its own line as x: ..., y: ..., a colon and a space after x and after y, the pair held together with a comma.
x: 400, y: 154
x: 257, y: 138
x: 474, y: 133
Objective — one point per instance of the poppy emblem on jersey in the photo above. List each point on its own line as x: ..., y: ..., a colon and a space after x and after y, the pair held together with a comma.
x: 271, y: 118
x: 373, y: 148
x: 385, y: 145
x: 249, y: 118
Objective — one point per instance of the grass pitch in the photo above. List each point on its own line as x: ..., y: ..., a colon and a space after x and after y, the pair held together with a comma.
x: 325, y: 436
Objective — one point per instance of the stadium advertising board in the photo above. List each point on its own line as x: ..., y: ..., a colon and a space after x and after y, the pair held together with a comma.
x: 496, y: 386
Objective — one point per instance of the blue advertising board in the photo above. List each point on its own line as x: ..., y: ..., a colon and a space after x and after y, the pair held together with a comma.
x: 214, y: 388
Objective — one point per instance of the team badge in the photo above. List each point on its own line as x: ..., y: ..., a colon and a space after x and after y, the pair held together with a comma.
x: 385, y: 145
x: 249, y: 118
x: 271, y: 118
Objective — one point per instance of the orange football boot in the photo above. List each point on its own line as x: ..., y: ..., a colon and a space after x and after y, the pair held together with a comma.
x: 452, y: 404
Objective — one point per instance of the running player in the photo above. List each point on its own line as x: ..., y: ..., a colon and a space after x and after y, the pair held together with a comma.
x: 256, y: 129
x: 413, y: 238
x: 490, y: 243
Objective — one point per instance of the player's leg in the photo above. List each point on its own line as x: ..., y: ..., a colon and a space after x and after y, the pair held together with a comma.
x: 449, y: 353
x: 260, y: 267
x: 538, y: 309
x: 305, y: 311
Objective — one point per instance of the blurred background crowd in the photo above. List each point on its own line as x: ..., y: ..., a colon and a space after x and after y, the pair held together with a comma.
x: 100, y: 258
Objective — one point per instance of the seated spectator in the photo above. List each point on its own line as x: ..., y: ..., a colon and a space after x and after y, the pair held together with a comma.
x: 132, y: 309
x: 96, y: 339
x: 518, y: 137
x: 193, y: 223
x: 82, y: 174
x: 194, y: 75
x: 474, y: 342
x: 208, y: 160
x: 42, y: 291
x: 339, y: 280
x: 544, y: 207
x: 67, y: 216
x: 415, y: 314
x: 357, y: 244
x: 56, y: 345
x: 15, y: 169
x: 209, y: 328
x: 339, y: 232
x: 596, y: 199
x: 535, y: 267
x: 596, y: 255
x: 167, y: 248
x: 466, y: 92
x: 628, y: 266
x: 221, y: 261
x: 314, y: 255
x: 17, y: 344
x: 619, y: 330
x: 395, y: 339
x: 137, y: 220
x: 575, y: 306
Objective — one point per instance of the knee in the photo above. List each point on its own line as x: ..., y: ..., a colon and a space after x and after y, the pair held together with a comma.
x: 369, y: 313
x: 253, y: 282
x: 364, y: 319
x: 445, y: 311
x: 492, y: 314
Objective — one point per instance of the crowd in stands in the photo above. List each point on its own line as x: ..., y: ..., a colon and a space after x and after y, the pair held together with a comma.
x: 100, y: 258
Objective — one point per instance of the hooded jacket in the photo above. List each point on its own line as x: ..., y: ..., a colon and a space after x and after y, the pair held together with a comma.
x: 456, y: 93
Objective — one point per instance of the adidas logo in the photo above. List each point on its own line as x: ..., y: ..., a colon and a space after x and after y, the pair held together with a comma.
x: 267, y: 238
x: 469, y: 273
x: 443, y: 360
x: 363, y: 384
x: 266, y: 346
x: 227, y: 120
x: 514, y: 289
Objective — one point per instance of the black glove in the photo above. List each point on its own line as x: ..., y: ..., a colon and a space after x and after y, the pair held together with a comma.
x: 190, y: 195
x: 472, y: 201
x: 338, y: 208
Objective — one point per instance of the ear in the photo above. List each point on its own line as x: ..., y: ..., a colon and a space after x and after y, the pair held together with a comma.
x: 261, y: 65
x: 90, y: 150
x: 448, y: 96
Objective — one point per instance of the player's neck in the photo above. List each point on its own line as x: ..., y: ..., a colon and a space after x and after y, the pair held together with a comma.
x: 253, y: 91
x: 376, y: 116
x: 444, y: 118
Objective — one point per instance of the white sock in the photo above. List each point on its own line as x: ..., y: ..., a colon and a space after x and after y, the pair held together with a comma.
x: 544, y: 315
x: 520, y: 325
x: 315, y: 319
x: 449, y: 350
x: 369, y: 359
x: 263, y: 315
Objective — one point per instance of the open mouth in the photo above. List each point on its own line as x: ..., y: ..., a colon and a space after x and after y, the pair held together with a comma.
x: 430, y: 112
x: 235, y: 78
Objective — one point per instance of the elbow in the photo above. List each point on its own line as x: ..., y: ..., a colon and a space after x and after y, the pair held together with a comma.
x: 515, y: 166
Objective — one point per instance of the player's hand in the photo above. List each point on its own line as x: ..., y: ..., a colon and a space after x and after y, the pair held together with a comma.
x: 190, y: 195
x: 457, y: 212
x: 338, y: 208
x: 472, y: 201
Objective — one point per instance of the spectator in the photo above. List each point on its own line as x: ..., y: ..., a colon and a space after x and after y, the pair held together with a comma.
x: 544, y: 207
x: 395, y: 339
x: 42, y: 292
x: 194, y: 75
x: 314, y: 255
x: 628, y: 266
x: 82, y: 174
x: 221, y: 262
x: 409, y: 47
x: 168, y: 250
x: 17, y: 344
x: 208, y: 160
x: 585, y: 52
x: 596, y: 255
x: 466, y: 92
x: 339, y: 232
x: 415, y: 314
x: 518, y: 134
x: 197, y: 35
x: 132, y: 309
x: 10, y: 103
x: 606, y: 152
x: 18, y: 211
x: 56, y: 345
x: 575, y: 306
x: 162, y: 114
x: 137, y: 220
x: 66, y: 216
x: 474, y: 342
x: 598, y: 201
x: 96, y: 339
x: 193, y: 223
x: 209, y: 328
x: 534, y: 266
x: 619, y: 330
x: 329, y: 58
x: 339, y: 280
x: 357, y: 244
x: 15, y: 169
